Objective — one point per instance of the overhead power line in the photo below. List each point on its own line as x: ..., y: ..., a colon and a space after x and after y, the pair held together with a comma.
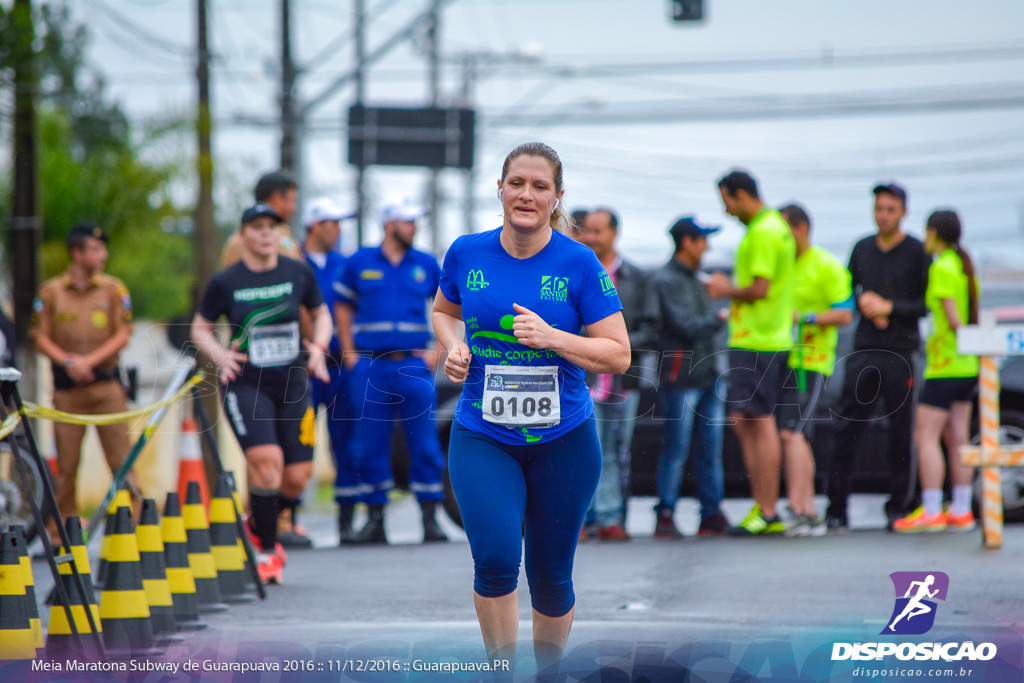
x: 878, y: 103
x: 149, y: 39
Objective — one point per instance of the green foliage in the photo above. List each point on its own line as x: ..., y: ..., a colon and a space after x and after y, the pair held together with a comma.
x: 91, y: 169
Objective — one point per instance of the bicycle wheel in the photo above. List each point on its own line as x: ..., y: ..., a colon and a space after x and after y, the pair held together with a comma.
x: 15, y: 493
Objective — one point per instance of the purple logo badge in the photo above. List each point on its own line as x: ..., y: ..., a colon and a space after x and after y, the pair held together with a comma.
x: 916, y: 592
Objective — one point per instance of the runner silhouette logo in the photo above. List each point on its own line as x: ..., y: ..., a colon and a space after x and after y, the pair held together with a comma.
x: 916, y: 593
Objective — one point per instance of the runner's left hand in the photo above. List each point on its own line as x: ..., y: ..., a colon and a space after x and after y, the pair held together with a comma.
x: 317, y: 366
x: 530, y: 329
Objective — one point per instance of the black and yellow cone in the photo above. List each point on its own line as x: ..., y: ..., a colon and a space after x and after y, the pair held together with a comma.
x: 121, y: 499
x: 250, y: 571
x: 179, y: 574
x: 200, y: 557
x: 154, y: 570
x: 30, y: 587
x: 17, y: 641
x: 123, y: 607
x: 228, y: 555
x: 59, y: 640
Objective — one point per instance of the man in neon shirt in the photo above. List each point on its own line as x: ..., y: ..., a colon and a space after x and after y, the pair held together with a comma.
x: 824, y: 301
x: 760, y: 337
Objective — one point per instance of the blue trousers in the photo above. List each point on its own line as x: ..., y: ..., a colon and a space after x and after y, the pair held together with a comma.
x: 615, y: 423
x: 692, y: 415
x: 334, y: 397
x: 538, y: 493
x: 380, y: 388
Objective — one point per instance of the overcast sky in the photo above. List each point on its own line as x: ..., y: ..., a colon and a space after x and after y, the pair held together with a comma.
x: 819, y: 99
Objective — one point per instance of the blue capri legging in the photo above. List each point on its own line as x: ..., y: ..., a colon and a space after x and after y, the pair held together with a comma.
x: 543, y: 489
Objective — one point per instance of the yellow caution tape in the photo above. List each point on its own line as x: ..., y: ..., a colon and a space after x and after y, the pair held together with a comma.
x: 9, y: 424
x: 40, y: 412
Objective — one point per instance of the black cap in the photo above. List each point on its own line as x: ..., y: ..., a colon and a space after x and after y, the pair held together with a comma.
x: 258, y: 211
x: 893, y: 189
x: 83, y: 230
x: 692, y: 226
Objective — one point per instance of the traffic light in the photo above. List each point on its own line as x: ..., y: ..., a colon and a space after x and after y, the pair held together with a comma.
x: 687, y: 10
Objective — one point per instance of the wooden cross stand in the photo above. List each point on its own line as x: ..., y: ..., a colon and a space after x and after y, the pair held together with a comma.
x: 990, y: 342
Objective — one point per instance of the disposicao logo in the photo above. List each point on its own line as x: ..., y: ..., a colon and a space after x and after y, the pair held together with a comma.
x: 913, y: 614
x: 916, y: 593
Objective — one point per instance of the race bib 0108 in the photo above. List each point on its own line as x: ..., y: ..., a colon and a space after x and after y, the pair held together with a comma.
x: 521, y: 396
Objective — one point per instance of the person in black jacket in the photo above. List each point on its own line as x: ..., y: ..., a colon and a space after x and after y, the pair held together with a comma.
x: 616, y: 396
x: 889, y: 273
x: 691, y: 407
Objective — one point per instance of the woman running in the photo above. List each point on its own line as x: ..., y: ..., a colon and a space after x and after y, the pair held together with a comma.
x: 524, y: 456
x: 266, y: 396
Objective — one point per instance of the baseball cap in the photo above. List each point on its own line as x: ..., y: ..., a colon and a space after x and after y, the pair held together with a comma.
x: 893, y: 189
x: 258, y: 211
x: 81, y: 230
x: 401, y: 209
x: 324, y: 209
x: 692, y: 226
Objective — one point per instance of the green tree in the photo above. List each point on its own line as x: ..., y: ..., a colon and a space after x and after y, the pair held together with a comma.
x: 92, y: 167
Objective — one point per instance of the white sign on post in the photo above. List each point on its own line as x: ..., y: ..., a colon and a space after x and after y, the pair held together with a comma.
x: 990, y: 340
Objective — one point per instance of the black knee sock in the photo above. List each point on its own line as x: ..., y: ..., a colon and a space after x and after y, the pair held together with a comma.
x: 265, y: 503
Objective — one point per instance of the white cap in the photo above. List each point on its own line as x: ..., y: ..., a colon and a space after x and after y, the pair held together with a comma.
x: 324, y: 209
x: 401, y: 209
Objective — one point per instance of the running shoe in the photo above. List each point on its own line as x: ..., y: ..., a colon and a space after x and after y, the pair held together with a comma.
x: 254, y: 539
x: 665, y: 529
x: 918, y: 521
x: 713, y: 525
x: 799, y: 526
x: 612, y: 532
x: 806, y: 525
x: 819, y: 527
x: 964, y: 522
x: 269, y: 567
x: 756, y: 524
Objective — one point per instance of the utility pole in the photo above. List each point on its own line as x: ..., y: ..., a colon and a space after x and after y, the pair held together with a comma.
x: 27, y: 226
x: 360, y: 85
x: 291, y: 138
x: 204, y: 245
x: 434, y: 57
x: 469, y: 71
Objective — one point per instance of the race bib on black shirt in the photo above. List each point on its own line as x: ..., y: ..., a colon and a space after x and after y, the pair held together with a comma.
x: 263, y: 311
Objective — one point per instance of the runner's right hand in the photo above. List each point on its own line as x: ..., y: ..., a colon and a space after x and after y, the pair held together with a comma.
x: 456, y: 365
x: 231, y: 362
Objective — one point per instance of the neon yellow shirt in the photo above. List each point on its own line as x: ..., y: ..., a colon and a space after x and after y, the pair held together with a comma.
x: 946, y: 280
x: 820, y: 282
x: 768, y: 251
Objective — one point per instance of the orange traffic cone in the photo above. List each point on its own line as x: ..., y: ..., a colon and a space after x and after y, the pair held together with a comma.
x: 51, y: 462
x: 190, y: 463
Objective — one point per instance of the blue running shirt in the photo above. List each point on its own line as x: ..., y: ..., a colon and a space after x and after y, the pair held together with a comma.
x: 563, y: 283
